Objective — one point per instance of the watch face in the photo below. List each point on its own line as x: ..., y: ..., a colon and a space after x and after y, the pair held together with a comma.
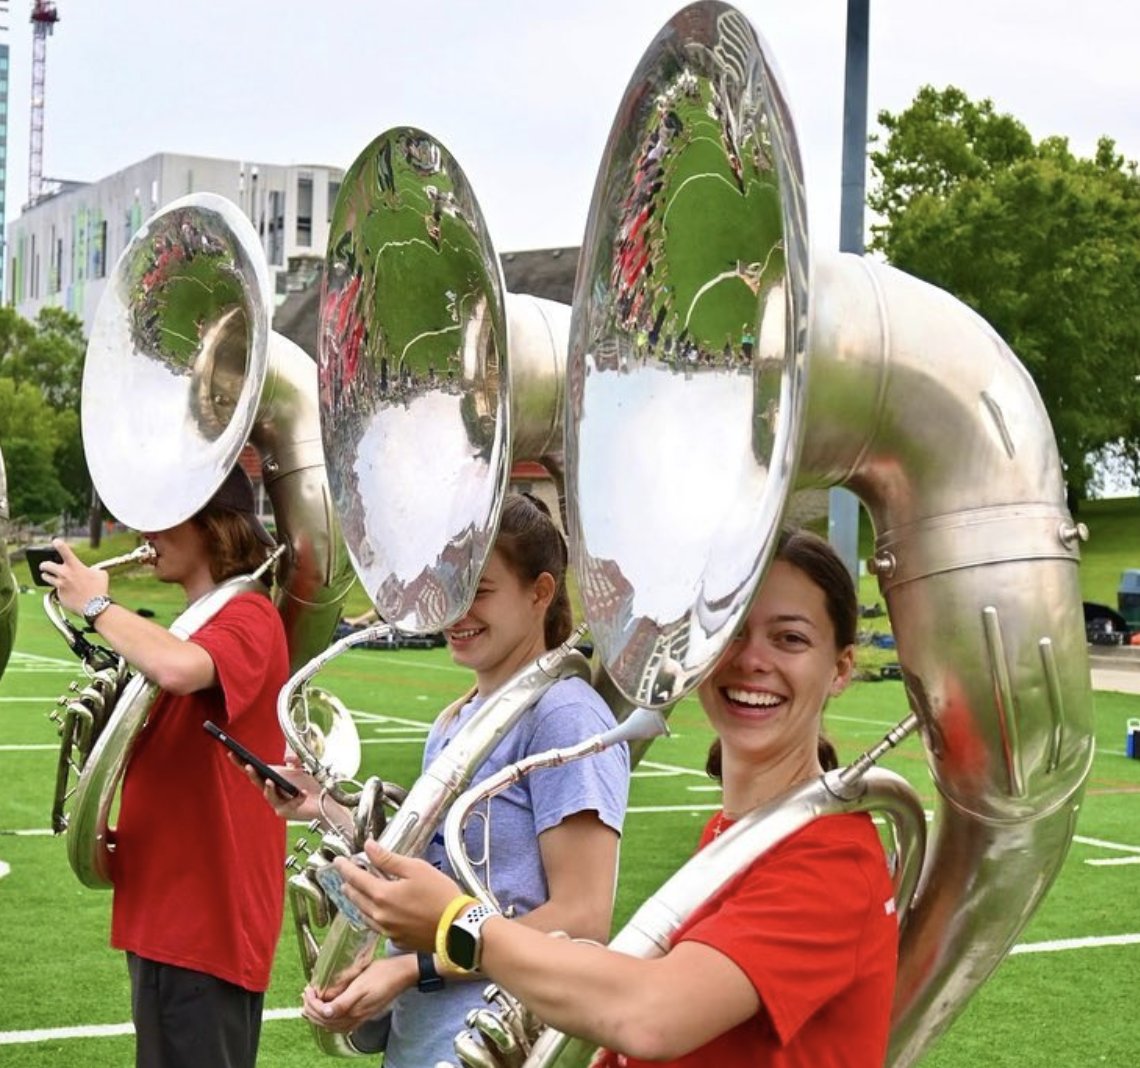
x: 94, y: 606
x: 461, y: 947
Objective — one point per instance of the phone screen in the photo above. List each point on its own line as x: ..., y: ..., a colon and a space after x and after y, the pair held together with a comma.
x: 263, y: 769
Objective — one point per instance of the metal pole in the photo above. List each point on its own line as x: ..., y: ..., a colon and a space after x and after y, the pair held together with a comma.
x: 842, y: 505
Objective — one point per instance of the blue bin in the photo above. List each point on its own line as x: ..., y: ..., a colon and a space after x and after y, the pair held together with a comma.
x: 1132, y: 739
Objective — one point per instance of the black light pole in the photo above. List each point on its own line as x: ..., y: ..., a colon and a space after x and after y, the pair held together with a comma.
x: 842, y: 505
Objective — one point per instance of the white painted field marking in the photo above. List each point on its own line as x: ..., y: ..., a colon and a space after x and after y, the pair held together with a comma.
x: 654, y: 809
x: 31, y: 662
x: 4, y: 869
x: 1119, y: 847
x: 29, y: 748
x: 55, y: 1034
x: 886, y: 724
x: 408, y: 739
x: 1133, y: 852
x: 427, y: 665
x: 47, y: 702
x: 665, y: 769
x: 1058, y: 945
x: 360, y: 716
x: 51, y: 1034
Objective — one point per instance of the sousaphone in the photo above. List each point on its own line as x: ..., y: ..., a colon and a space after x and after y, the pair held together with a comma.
x: 715, y: 368
x: 784, y: 373
x: 433, y: 381
x: 181, y: 372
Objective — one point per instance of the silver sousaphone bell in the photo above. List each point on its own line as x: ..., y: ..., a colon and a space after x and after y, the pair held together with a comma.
x: 181, y: 371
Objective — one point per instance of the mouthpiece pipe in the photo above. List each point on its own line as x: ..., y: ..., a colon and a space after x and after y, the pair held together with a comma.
x: 854, y: 772
x: 71, y: 634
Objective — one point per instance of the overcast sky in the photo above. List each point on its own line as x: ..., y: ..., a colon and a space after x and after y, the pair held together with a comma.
x: 523, y: 92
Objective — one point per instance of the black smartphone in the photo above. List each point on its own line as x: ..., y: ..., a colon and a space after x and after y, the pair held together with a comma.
x: 246, y: 757
x: 40, y: 554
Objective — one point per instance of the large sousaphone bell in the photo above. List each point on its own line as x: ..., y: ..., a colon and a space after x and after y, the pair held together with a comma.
x: 181, y: 371
x: 432, y: 381
x: 713, y: 369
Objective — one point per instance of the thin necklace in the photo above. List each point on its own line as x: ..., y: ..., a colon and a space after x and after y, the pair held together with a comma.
x: 721, y: 825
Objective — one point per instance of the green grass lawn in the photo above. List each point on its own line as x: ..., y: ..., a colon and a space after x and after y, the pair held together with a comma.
x: 1053, y: 1008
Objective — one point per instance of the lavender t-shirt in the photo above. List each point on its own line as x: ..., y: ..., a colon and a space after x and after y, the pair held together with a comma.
x: 424, y: 1025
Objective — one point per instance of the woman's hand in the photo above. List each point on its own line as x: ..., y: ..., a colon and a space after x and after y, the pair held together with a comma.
x: 407, y: 905
x: 366, y: 996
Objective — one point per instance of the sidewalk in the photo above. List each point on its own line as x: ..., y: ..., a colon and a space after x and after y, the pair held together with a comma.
x: 1115, y: 668
x: 1120, y: 681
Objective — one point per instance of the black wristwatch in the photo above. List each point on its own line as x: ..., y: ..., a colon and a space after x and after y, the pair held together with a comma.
x: 430, y: 980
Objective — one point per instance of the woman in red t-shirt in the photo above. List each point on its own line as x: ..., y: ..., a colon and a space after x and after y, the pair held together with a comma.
x: 792, y: 964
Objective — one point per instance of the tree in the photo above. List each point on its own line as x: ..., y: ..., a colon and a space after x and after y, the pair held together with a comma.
x: 30, y: 434
x: 41, y: 371
x: 1043, y: 244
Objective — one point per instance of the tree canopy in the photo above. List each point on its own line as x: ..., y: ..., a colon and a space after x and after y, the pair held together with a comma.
x: 41, y: 369
x: 1042, y: 243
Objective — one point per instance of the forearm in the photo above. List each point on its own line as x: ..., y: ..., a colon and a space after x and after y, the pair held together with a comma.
x: 175, y: 665
x: 581, y: 989
x: 578, y: 919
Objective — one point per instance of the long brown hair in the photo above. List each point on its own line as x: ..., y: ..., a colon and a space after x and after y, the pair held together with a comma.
x: 813, y: 556
x: 233, y: 546
x: 530, y: 544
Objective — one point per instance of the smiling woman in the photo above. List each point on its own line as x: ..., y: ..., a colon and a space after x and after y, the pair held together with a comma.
x: 774, y: 969
x: 553, y: 839
x: 806, y: 573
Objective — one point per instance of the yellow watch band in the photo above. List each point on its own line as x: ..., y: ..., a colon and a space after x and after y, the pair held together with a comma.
x: 454, y: 907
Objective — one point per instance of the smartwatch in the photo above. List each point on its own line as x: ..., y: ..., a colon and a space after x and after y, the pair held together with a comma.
x: 464, y: 945
x: 430, y: 980
x: 95, y: 607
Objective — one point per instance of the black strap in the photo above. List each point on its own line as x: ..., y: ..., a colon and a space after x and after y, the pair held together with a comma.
x: 430, y: 980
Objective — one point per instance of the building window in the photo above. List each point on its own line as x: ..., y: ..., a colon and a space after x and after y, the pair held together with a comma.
x: 305, y: 211
x: 55, y: 271
x: 99, y: 252
x: 275, y: 250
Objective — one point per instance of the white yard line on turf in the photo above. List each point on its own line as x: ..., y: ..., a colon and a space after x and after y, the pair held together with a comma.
x: 49, y: 1034
x: 55, y: 1034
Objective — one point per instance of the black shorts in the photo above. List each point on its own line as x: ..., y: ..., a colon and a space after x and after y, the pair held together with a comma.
x: 188, y: 1019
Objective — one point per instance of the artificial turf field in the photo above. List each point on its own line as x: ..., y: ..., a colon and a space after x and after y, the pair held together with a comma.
x: 1067, y: 996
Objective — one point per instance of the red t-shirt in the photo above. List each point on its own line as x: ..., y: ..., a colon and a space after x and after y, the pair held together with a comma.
x: 199, y: 855
x: 812, y: 924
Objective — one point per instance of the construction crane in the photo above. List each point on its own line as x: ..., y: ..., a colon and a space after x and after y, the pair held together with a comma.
x: 44, y: 18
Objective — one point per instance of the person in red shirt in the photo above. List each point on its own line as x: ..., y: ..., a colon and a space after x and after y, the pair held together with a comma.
x: 793, y: 963
x: 198, y: 863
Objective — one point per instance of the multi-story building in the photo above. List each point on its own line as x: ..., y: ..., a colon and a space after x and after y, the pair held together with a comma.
x: 62, y: 248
